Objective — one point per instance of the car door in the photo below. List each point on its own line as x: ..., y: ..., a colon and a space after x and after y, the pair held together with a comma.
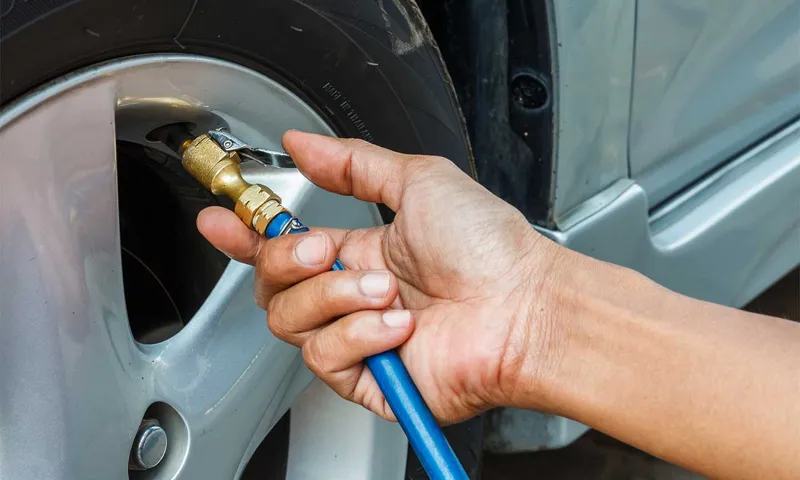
x: 710, y: 78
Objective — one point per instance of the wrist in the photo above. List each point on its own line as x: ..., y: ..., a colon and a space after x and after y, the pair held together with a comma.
x: 536, y: 332
x: 570, y: 300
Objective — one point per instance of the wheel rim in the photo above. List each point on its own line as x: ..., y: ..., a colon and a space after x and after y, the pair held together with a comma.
x: 75, y: 384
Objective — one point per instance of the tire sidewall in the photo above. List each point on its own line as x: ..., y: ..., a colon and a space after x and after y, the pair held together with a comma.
x: 372, y: 70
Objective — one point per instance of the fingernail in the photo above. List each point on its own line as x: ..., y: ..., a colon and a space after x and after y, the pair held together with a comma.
x: 311, y: 250
x: 374, y: 284
x: 397, y: 318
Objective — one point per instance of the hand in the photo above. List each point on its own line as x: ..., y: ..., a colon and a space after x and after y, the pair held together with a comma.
x: 454, y: 280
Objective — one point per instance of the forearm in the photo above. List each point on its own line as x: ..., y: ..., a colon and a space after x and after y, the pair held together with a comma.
x: 712, y: 388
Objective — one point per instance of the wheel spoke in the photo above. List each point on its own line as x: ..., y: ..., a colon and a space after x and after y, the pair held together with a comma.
x: 226, y: 375
x: 65, y: 346
x: 357, y: 444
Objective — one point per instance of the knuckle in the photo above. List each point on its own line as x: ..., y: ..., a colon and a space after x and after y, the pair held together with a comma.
x: 442, y: 161
x: 321, y: 289
x: 425, y: 165
x: 262, y: 293
x: 314, y: 357
x: 275, y: 318
x: 274, y: 256
x: 264, y: 269
x: 357, y: 151
x: 273, y: 268
x: 355, y: 144
x: 353, y: 330
x: 327, y: 288
x: 262, y: 298
x: 439, y: 164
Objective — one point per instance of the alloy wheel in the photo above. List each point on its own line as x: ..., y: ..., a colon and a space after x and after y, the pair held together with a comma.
x: 75, y: 385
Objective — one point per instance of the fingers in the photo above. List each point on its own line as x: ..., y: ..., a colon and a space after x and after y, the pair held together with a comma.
x: 335, y: 353
x: 290, y: 259
x: 296, y: 313
x: 279, y: 262
x: 227, y: 233
x: 352, y: 167
x: 223, y: 229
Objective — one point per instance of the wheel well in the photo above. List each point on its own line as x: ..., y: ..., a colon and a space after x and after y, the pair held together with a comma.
x: 488, y: 46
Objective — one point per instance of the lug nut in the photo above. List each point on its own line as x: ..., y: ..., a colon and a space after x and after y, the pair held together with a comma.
x: 149, y: 446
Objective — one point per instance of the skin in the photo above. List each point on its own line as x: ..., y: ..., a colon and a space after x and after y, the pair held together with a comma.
x: 486, y: 312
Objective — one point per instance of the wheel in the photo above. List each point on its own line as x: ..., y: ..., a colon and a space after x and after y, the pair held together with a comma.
x: 114, y: 310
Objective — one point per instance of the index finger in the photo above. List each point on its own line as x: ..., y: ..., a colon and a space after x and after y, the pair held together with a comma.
x: 351, y: 167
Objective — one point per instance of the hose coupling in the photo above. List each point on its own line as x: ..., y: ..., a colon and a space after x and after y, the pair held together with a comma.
x: 218, y: 170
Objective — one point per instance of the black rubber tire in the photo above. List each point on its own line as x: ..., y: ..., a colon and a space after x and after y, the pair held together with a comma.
x: 372, y: 69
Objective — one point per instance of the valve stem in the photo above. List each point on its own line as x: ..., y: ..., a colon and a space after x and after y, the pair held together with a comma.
x: 175, y: 136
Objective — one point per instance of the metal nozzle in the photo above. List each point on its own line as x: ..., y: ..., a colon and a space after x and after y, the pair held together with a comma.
x: 218, y: 170
x: 212, y: 166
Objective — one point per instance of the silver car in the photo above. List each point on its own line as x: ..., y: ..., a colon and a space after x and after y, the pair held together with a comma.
x: 663, y: 135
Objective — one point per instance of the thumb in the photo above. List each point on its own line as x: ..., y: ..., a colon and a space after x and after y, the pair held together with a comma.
x: 351, y: 167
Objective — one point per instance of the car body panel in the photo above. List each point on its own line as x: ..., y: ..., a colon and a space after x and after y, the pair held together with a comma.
x: 708, y: 81
x: 664, y: 91
x: 724, y: 241
x: 594, y: 47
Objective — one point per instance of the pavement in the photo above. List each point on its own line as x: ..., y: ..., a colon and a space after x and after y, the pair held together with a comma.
x: 598, y: 457
x: 594, y: 456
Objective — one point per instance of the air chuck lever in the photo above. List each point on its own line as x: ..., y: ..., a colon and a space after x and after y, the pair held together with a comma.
x: 213, y: 159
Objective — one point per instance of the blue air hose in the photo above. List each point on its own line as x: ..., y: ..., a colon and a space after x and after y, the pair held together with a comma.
x: 424, y: 434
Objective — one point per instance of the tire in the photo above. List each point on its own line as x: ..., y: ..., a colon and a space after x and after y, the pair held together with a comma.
x: 371, y: 69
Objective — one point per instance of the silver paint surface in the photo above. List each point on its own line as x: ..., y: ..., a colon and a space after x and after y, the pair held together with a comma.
x: 724, y: 242
x: 710, y: 79
x: 594, y: 45
x: 662, y: 91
